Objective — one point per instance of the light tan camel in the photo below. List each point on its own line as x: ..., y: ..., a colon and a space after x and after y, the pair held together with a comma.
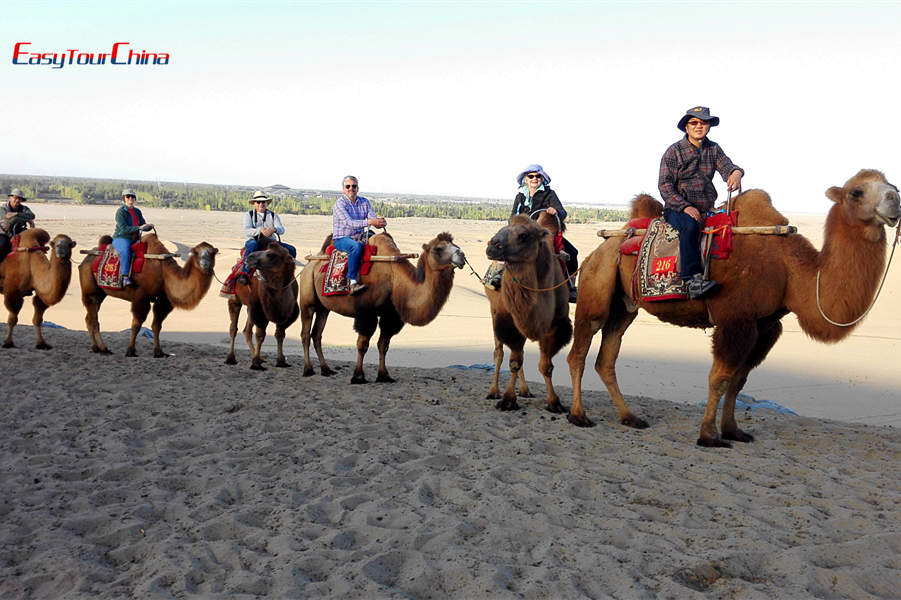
x: 533, y: 302
x: 29, y: 270
x: 765, y: 278
x: 271, y: 298
x: 161, y: 284
x: 397, y: 294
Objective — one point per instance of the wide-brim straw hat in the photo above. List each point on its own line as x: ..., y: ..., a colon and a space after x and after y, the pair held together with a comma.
x: 260, y: 195
x: 698, y: 112
x: 534, y: 169
x: 18, y: 193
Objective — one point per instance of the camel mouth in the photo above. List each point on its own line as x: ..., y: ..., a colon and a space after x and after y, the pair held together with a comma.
x: 459, y: 259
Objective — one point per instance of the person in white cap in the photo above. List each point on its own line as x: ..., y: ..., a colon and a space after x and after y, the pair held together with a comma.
x: 129, y: 225
x: 261, y: 226
x: 14, y: 218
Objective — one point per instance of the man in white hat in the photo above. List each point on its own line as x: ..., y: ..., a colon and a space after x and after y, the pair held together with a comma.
x: 685, y: 182
x: 261, y: 225
x: 14, y: 217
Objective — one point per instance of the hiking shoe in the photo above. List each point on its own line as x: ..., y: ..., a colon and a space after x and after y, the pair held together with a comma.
x: 572, y: 294
x: 126, y: 281
x: 698, y: 287
x: 356, y: 288
x: 243, y: 278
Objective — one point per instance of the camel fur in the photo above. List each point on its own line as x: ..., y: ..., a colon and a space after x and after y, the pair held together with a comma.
x: 30, y: 271
x: 397, y: 294
x: 765, y: 278
x: 531, y: 304
x: 271, y: 297
x: 162, y: 285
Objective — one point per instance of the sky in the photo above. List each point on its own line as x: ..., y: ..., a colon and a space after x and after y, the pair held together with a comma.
x: 456, y: 98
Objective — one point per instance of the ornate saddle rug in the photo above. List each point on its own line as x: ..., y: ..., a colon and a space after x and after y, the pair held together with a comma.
x: 335, y: 281
x: 228, y: 286
x: 106, y: 267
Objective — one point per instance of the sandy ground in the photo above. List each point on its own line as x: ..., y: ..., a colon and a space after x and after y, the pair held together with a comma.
x: 185, y: 477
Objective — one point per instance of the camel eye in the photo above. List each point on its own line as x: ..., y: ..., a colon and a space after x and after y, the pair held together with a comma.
x: 523, y: 237
x: 856, y: 193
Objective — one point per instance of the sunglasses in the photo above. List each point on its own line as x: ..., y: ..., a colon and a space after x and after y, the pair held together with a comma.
x: 694, y: 123
x: 533, y: 176
x: 260, y: 201
x: 352, y: 187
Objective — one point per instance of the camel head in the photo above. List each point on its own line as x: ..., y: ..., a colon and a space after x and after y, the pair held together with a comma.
x: 273, y: 257
x: 442, y: 253
x: 519, y: 241
x: 62, y: 246
x: 869, y: 200
x: 205, y: 256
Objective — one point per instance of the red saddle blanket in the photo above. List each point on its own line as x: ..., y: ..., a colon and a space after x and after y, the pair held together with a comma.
x: 335, y: 268
x: 106, y: 267
x: 228, y: 286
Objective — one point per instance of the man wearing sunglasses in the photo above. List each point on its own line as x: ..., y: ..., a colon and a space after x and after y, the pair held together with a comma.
x: 685, y: 182
x: 261, y: 227
x: 351, y: 215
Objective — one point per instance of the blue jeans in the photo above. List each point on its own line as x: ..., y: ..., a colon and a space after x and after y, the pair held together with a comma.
x: 689, y: 241
x: 123, y: 247
x: 354, y: 251
x: 252, y: 245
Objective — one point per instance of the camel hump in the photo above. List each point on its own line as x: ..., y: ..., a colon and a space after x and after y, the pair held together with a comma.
x: 105, y: 240
x: 326, y: 243
x: 645, y: 206
x: 33, y: 237
x: 384, y: 244
x: 755, y: 207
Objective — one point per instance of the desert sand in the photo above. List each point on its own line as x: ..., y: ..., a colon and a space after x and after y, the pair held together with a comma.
x: 185, y: 477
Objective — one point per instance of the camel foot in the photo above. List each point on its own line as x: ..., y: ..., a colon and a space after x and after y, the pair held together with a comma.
x: 634, y: 422
x: 556, y: 408
x: 526, y: 394
x: 507, y: 404
x: 8, y: 345
x: 358, y: 378
x: 309, y: 372
x: 98, y: 350
x: 281, y: 364
x: 493, y: 395
x: 131, y: 352
x: 230, y: 360
x: 384, y: 378
x: 159, y: 354
x: 738, y: 436
x: 580, y: 420
x: 713, y: 443
x: 257, y: 366
x: 43, y: 346
x: 326, y: 371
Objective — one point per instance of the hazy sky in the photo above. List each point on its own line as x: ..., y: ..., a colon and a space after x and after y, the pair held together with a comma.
x: 455, y: 98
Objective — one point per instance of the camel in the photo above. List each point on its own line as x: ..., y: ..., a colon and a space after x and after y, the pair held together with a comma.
x: 30, y: 271
x: 765, y: 278
x: 162, y: 284
x: 398, y: 294
x: 270, y: 298
x: 533, y: 303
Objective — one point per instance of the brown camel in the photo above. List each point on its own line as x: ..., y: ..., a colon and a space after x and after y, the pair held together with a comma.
x: 398, y: 293
x: 533, y: 303
x: 270, y: 298
x: 161, y: 284
x: 30, y: 271
x: 765, y: 278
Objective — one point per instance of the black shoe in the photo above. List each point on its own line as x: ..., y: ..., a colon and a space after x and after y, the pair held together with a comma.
x: 698, y: 287
x: 356, y: 288
x: 572, y: 294
x: 243, y: 278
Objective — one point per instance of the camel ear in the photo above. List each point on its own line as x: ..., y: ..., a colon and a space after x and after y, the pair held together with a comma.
x: 425, y: 247
x: 73, y: 243
x: 836, y: 194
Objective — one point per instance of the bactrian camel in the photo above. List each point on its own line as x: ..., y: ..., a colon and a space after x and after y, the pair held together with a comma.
x: 270, y: 298
x: 29, y: 270
x: 765, y: 278
x: 397, y: 294
x: 161, y: 284
x: 533, y: 303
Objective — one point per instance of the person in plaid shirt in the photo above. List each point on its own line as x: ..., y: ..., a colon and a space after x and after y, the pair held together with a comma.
x: 351, y: 215
x: 685, y: 182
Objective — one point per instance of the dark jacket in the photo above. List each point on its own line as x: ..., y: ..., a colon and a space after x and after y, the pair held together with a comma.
x: 17, y: 222
x: 124, y: 227
x: 545, y: 198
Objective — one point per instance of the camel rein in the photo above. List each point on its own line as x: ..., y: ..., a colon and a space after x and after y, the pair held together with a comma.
x: 564, y: 282
x: 878, y: 291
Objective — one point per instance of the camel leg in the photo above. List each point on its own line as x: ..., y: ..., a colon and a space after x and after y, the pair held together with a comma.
x: 605, y: 365
x: 506, y: 333
x: 13, y: 302
x: 767, y: 336
x: 38, y: 321
x: 280, y: 340
x: 318, y: 328
x: 92, y: 321
x: 495, y: 392
x: 256, y: 363
x: 234, y: 313
x: 389, y: 325
x: 365, y: 323
x: 362, y: 347
x: 546, y: 368
x: 139, y: 311
x: 584, y: 329
x: 732, y: 346
x: 307, y: 313
x: 508, y: 401
x: 524, y: 391
x: 161, y: 309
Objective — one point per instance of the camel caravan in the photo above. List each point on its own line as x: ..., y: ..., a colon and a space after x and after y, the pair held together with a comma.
x: 751, y: 268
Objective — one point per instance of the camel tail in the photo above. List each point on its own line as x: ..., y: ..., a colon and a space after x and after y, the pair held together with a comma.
x: 645, y: 206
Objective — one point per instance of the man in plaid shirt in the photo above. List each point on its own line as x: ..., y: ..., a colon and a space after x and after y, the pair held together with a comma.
x: 685, y: 182
x: 351, y: 215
